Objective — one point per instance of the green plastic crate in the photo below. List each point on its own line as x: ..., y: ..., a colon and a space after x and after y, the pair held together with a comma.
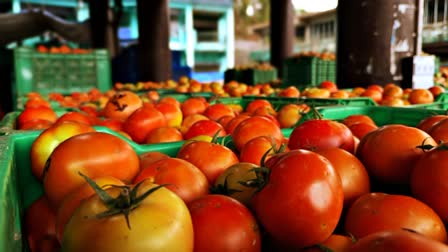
x: 382, y: 115
x: 250, y: 76
x: 307, y: 71
x: 64, y: 73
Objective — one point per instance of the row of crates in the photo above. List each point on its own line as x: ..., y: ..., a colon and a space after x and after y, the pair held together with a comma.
x: 308, y: 71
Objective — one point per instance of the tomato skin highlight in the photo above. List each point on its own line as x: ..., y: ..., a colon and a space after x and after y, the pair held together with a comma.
x: 305, y: 211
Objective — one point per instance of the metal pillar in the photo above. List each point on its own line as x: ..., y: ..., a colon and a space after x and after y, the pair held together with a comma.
x: 373, y: 38
x: 154, y: 55
x: 282, y: 32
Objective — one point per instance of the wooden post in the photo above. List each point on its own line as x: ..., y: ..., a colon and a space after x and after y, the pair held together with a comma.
x: 373, y: 38
x: 282, y: 32
x: 154, y: 55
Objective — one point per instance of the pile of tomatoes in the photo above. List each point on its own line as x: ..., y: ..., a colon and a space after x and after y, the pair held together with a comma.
x: 346, y: 186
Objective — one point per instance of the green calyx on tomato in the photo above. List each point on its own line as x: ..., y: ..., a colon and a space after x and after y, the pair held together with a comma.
x: 428, y: 147
x: 224, y: 189
x: 124, y: 203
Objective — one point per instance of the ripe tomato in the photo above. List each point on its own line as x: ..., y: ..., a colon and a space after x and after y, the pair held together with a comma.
x: 193, y: 106
x: 376, y: 212
x: 290, y: 91
x: 436, y: 90
x: 258, y: 103
x: 389, y: 152
x: 290, y: 114
x: 218, y: 110
x: 170, y: 100
x: 336, y: 243
x: 211, y: 158
x: 254, y: 127
x: 229, y: 182
x: 49, y: 139
x: 190, y: 120
x: 72, y: 201
x: 161, y: 222
x: 40, y: 222
x: 359, y: 130
x: 353, y: 174
x: 112, y: 124
x: 329, y: 85
x: 75, y: 116
x: 172, y: 113
x: 439, y: 131
x: 358, y: 118
x: 181, y: 177
x: 205, y: 127
x: 420, y: 96
x: 36, y: 124
x: 397, y: 240
x: 36, y: 102
x: 36, y: 113
x: 223, y: 224
x: 95, y: 154
x: 428, y: 122
x: 317, y: 134
x: 301, y: 203
x: 253, y: 151
x: 376, y: 95
x: 150, y: 157
x: 428, y: 179
x: 143, y: 121
x: 225, y: 120
x: 121, y: 105
x: 230, y: 127
x: 164, y: 135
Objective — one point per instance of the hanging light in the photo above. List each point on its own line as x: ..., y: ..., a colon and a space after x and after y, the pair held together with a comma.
x: 250, y: 10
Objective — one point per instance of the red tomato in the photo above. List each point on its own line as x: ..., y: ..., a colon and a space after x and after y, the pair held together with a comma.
x: 320, y: 134
x: 112, y: 124
x: 354, y: 119
x: 36, y: 124
x: 290, y: 91
x: 428, y: 122
x: 329, y: 85
x: 172, y: 113
x: 225, y: 120
x: 439, y: 131
x: 150, y: 157
x: 36, y: 113
x: 359, y: 130
x: 72, y: 201
x: 190, y: 120
x: 428, y: 179
x: 193, y: 106
x: 121, y: 105
x: 231, y: 126
x: 182, y: 177
x: 253, y: 151
x: 254, y: 127
x: 212, y: 159
x: 336, y: 243
x: 376, y: 212
x: 205, y: 127
x: 49, y: 139
x: 302, y: 201
x: 223, y: 224
x: 36, y: 102
x: 75, y: 116
x: 258, y: 103
x: 170, y: 100
x: 420, y: 96
x: 143, y: 121
x: 40, y: 222
x: 164, y: 135
x: 218, y: 110
x: 376, y: 95
x: 353, y: 174
x: 389, y: 152
x: 95, y: 154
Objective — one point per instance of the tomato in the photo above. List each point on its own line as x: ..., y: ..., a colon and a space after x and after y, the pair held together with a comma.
x: 36, y: 102
x: 315, y: 92
x: 232, y: 124
x: 40, y: 222
x: 225, y: 120
x: 170, y: 100
x: 48, y: 244
x: 420, y: 96
x: 229, y: 182
x: 336, y: 243
x: 353, y: 174
x: 205, y: 127
x: 428, y: 180
x: 190, y: 120
x: 290, y: 91
x: 36, y: 113
x: 150, y: 157
x: 75, y: 116
x: 164, y: 135
x: 358, y: 118
x: 290, y: 114
x: 112, y: 124
x: 376, y: 212
x: 49, y: 139
x: 317, y: 134
x: 258, y: 103
x: 211, y: 158
x: 302, y: 201
x: 342, y: 94
x: 72, y: 201
x: 172, y: 113
x: 193, y: 106
x: 426, y: 123
x: 255, y: 149
x: 392, y: 92
x: 218, y: 110
x: 181, y: 177
x: 389, y: 152
x: 254, y: 127
x: 36, y: 124
x: 143, y: 121
x: 95, y: 154
x: 436, y: 90
x: 161, y: 222
x: 397, y: 240
x: 376, y: 95
x: 121, y: 105
x: 223, y: 224
x: 359, y: 130
x: 329, y: 85
x: 439, y: 131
